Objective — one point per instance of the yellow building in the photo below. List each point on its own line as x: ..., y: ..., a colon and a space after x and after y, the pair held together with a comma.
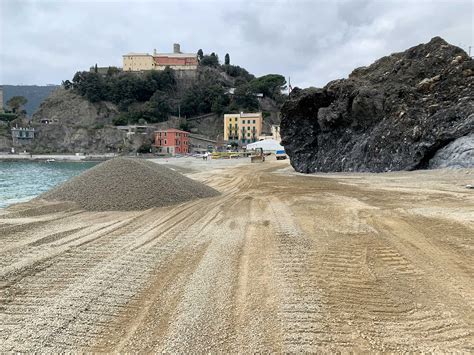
x: 242, y: 128
x: 138, y: 62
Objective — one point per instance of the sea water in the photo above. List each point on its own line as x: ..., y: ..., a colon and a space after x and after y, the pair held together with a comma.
x: 22, y: 181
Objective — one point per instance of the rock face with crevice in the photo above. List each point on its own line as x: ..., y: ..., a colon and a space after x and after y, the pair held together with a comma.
x: 397, y: 114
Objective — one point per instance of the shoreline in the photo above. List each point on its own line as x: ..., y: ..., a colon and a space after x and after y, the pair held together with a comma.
x: 56, y: 157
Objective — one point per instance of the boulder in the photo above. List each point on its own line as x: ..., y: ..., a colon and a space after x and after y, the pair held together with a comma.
x: 457, y: 154
x: 395, y: 114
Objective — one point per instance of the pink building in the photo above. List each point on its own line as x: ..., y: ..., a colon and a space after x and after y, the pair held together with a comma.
x: 172, y: 141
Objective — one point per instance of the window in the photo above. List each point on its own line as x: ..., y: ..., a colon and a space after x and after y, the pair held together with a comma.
x: 165, y: 141
x: 248, y: 134
x: 254, y: 121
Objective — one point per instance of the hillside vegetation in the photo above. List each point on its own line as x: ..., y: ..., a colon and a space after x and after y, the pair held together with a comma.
x: 154, y: 96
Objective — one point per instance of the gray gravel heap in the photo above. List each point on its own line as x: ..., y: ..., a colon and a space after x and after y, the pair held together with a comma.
x: 125, y: 184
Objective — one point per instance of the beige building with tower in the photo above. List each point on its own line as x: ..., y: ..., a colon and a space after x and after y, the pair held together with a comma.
x: 242, y: 128
x: 159, y: 61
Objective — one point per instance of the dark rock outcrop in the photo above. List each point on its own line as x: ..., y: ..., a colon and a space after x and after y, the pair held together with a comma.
x: 396, y: 114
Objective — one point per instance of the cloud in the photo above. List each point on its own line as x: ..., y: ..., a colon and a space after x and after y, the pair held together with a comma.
x: 311, y: 41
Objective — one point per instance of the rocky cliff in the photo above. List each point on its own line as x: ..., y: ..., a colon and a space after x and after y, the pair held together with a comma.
x: 75, y: 125
x: 410, y: 110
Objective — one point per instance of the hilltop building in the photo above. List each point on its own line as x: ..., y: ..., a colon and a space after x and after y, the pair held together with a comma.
x: 242, y: 128
x: 172, y: 141
x: 159, y: 61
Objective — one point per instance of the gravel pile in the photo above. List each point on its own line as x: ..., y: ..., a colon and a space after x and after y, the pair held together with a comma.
x: 125, y: 184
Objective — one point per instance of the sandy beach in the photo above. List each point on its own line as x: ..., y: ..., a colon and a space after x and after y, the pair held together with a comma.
x: 279, y: 262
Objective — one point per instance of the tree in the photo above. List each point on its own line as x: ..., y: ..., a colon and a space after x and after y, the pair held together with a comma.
x: 67, y: 84
x: 145, y: 147
x: 8, y: 117
x: 269, y: 85
x: 113, y: 71
x: 237, y: 72
x: 90, y: 85
x: 227, y: 59
x: 120, y: 120
x: 167, y: 80
x: 184, y: 125
x: 96, y: 70
x: 200, y: 54
x: 244, y: 98
x: 16, y: 102
x: 159, y: 107
x: 210, y: 60
x: 203, y: 97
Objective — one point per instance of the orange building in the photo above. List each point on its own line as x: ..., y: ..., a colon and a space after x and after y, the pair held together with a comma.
x: 172, y: 141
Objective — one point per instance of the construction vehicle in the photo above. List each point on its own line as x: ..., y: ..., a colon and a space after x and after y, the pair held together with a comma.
x: 257, y: 156
x: 280, y: 154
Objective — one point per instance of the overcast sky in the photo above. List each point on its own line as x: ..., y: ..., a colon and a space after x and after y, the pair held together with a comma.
x: 313, y: 42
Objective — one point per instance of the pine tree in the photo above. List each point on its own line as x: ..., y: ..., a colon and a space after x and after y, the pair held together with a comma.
x: 200, y: 54
x: 227, y: 59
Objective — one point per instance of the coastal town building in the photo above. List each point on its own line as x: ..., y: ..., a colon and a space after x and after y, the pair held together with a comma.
x: 276, y: 132
x: 22, y: 135
x: 242, y: 128
x: 159, y: 61
x: 172, y: 141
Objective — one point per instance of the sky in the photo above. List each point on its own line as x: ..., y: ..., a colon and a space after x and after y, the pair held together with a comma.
x: 311, y: 41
